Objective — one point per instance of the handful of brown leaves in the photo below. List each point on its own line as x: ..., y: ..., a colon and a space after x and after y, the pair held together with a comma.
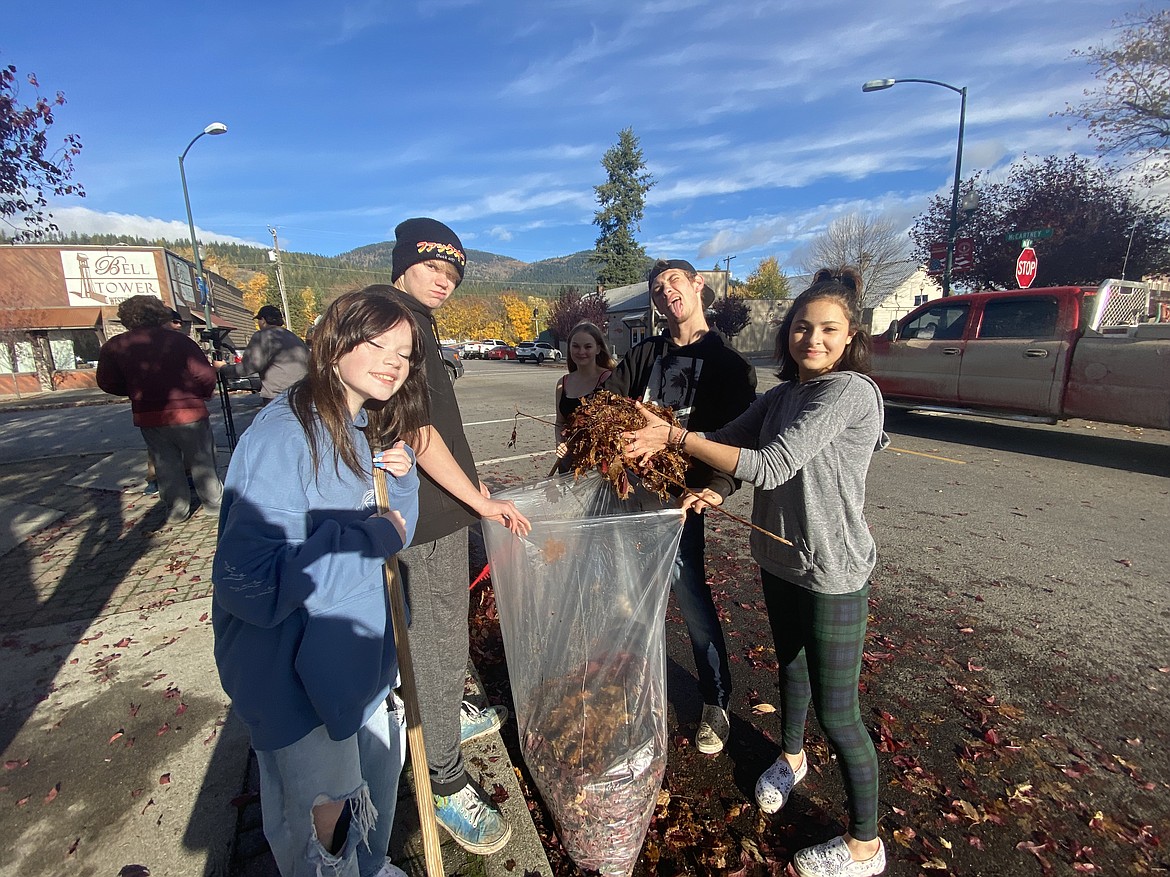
x: 595, y: 441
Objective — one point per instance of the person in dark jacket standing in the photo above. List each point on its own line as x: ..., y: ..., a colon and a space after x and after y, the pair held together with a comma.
x: 276, y: 354
x: 690, y: 369
x: 173, y: 321
x: 428, y: 264
x: 168, y: 379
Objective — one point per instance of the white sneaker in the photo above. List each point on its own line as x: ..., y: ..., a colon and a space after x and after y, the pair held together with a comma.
x: 776, y: 783
x: 714, y: 729
x: 389, y: 869
x: 832, y: 859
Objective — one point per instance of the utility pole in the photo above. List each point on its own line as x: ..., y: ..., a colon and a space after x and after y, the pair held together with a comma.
x: 275, y: 257
x: 727, y: 275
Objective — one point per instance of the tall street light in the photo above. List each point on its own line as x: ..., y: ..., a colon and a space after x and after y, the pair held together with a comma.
x: 953, y: 228
x: 213, y: 128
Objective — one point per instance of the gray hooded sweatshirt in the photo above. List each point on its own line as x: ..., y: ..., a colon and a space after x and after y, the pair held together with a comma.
x: 806, y: 447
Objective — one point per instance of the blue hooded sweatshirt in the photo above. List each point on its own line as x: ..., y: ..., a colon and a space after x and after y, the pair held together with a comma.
x: 300, y: 611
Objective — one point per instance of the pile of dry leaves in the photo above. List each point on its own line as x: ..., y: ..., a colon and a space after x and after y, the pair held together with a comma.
x: 598, y: 761
x: 595, y: 441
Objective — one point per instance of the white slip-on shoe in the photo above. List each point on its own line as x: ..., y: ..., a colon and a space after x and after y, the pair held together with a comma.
x: 776, y: 783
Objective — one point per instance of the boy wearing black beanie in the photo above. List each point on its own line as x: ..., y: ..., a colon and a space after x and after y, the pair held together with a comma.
x: 428, y: 264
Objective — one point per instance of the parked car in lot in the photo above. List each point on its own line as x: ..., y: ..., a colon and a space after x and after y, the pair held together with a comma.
x: 478, y: 349
x: 501, y: 351
x: 452, y: 361
x: 537, y: 351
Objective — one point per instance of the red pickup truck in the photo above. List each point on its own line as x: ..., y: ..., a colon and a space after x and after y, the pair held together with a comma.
x: 1027, y: 354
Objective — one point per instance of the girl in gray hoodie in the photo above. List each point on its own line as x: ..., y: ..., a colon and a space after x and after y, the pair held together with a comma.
x: 806, y: 445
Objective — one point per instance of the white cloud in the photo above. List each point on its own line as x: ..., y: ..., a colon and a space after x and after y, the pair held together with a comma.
x: 85, y: 221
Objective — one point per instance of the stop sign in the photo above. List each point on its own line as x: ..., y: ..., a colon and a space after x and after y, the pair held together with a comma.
x: 1026, y: 267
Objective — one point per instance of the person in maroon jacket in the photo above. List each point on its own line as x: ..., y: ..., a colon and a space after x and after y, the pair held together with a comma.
x: 168, y: 378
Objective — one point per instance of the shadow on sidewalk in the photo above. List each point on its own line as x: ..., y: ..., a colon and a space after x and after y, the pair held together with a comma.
x: 226, y: 819
x: 66, y: 572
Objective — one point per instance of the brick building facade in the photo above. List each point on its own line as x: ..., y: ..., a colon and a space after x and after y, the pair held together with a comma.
x: 59, y: 304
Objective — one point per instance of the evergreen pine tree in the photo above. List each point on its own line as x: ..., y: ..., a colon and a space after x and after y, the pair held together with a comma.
x: 621, y: 201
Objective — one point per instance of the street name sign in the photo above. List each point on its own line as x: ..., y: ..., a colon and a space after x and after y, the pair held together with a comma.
x: 1036, y: 234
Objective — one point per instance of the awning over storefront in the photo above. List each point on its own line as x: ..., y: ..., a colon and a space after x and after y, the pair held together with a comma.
x: 54, y: 318
x: 216, y: 320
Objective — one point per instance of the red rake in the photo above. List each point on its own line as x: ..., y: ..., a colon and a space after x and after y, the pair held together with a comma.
x: 483, y: 574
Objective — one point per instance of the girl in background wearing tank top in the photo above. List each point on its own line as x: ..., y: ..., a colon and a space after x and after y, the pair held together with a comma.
x: 590, y: 364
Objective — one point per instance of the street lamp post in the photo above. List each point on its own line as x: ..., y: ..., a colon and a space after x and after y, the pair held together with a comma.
x: 213, y: 128
x: 205, y: 288
x: 953, y: 225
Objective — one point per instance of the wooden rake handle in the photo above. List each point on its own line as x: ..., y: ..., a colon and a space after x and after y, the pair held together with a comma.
x: 414, y: 732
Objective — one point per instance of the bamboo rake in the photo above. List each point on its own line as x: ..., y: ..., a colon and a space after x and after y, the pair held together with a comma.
x: 432, y: 854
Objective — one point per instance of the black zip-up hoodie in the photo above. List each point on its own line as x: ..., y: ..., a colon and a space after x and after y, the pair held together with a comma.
x: 706, y: 383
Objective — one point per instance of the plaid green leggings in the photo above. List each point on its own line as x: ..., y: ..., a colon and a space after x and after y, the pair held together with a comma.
x: 819, y: 639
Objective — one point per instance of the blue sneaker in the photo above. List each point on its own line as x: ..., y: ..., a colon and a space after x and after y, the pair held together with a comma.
x: 151, y: 489
x: 473, y: 821
x: 475, y: 723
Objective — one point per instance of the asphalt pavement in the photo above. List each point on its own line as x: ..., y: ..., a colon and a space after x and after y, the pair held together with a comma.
x: 1014, y: 678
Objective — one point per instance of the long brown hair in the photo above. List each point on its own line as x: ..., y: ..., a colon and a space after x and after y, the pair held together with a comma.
x: 844, y: 287
x: 603, y: 359
x: 319, y: 399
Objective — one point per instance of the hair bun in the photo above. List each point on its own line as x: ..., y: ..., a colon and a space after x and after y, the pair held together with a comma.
x: 851, y: 278
x: 848, y: 277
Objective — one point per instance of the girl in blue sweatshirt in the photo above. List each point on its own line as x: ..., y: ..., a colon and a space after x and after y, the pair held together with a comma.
x: 806, y: 446
x: 303, y: 636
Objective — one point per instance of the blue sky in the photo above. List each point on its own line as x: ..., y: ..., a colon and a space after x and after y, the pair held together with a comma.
x: 493, y: 115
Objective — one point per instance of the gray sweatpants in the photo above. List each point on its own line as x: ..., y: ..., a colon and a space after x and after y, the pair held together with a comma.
x: 434, y: 577
x: 175, y: 449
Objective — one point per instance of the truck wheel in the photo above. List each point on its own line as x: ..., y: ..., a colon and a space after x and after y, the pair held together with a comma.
x: 451, y: 373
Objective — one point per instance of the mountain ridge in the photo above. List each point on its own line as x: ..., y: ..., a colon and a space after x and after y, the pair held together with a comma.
x: 487, y: 272
x: 483, y: 266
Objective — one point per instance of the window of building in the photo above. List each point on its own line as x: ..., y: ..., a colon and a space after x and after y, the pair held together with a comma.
x: 73, y: 348
x: 25, y: 364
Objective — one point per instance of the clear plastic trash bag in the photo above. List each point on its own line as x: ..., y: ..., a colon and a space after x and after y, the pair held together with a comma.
x: 582, y: 603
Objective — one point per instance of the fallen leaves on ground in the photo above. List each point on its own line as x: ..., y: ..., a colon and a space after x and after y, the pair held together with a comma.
x: 972, y: 782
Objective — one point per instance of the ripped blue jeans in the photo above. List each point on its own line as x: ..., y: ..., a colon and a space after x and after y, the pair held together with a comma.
x: 362, y: 770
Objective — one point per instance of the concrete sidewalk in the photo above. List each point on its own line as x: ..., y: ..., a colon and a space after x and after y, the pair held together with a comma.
x: 119, y: 746
x: 51, y: 399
